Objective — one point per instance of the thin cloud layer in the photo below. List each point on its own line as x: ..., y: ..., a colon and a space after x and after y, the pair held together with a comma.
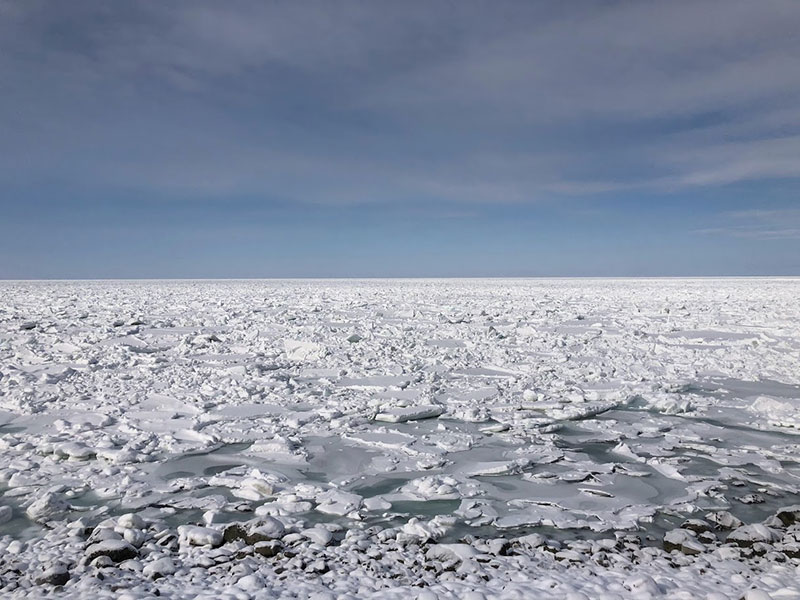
x: 759, y: 224
x: 361, y: 102
x: 197, y: 138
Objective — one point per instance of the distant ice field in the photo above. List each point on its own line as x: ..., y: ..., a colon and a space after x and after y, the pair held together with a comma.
x: 417, y: 420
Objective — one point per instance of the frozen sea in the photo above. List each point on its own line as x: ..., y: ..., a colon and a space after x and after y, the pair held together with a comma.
x: 475, y: 438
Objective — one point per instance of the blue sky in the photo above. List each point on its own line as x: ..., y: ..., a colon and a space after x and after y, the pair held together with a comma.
x: 419, y: 138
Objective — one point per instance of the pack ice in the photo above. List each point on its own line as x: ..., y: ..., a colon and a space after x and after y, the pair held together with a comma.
x: 395, y: 439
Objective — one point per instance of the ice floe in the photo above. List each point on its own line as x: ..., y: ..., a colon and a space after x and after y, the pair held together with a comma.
x: 400, y: 439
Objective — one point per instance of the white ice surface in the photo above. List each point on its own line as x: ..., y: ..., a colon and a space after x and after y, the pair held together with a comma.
x: 487, y: 436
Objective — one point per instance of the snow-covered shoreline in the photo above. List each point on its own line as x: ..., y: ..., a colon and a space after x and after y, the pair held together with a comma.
x: 395, y: 438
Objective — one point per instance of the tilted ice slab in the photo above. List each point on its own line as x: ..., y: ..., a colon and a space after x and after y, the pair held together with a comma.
x: 408, y: 413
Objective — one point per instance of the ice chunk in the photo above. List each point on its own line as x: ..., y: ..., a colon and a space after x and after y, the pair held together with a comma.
x: 666, y: 469
x: 337, y: 502
x: 446, y: 552
x: 499, y: 467
x: 427, y: 530
x: 381, y: 438
x: 625, y: 450
x: 200, y: 536
x: 131, y: 521
x: 74, y: 450
x: 376, y: 503
x: 47, y: 508
x: 318, y: 535
x: 6, y: 513
x: 409, y: 413
x: 301, y: 351
x: 778, y: 411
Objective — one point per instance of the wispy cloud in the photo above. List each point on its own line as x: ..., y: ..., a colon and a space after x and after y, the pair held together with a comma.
x: 758, y: 224
x: 373, y: 102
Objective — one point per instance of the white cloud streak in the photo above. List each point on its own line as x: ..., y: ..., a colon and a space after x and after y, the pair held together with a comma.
x: 758, y: 224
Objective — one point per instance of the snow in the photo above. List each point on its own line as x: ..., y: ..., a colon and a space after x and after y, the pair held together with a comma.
x: 392, y: 439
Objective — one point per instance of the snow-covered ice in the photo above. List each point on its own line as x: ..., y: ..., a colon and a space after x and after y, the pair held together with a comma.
x: 400, y: 439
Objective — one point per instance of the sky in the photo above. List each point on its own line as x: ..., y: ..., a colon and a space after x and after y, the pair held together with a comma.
x: 414, y: 138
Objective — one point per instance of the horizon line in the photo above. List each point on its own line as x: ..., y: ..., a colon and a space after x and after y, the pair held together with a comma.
x: 390, y: 278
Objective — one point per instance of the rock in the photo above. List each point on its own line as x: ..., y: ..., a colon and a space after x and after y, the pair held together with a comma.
x: 293, y: 538
x: 533, y: 540
x: 569, y: 556
x: 234, y: 532
x: 789, y: 515
x: 102, y: 534
x: 498, y: 546
x: 268, y: 549
x: 696, y: 525
x: 761, y: 548
x: 159, y: 568
x: 200, y: 536
x: 354, y: 338
x: 723, y: 520
x: 115, y: 550
x: 268, y: 528
x: 56, y: 575
x: 101, y: 562
x: 748, y: 535
x: 791, y: 549
x: 707, y: 537
x: 683, y: 540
